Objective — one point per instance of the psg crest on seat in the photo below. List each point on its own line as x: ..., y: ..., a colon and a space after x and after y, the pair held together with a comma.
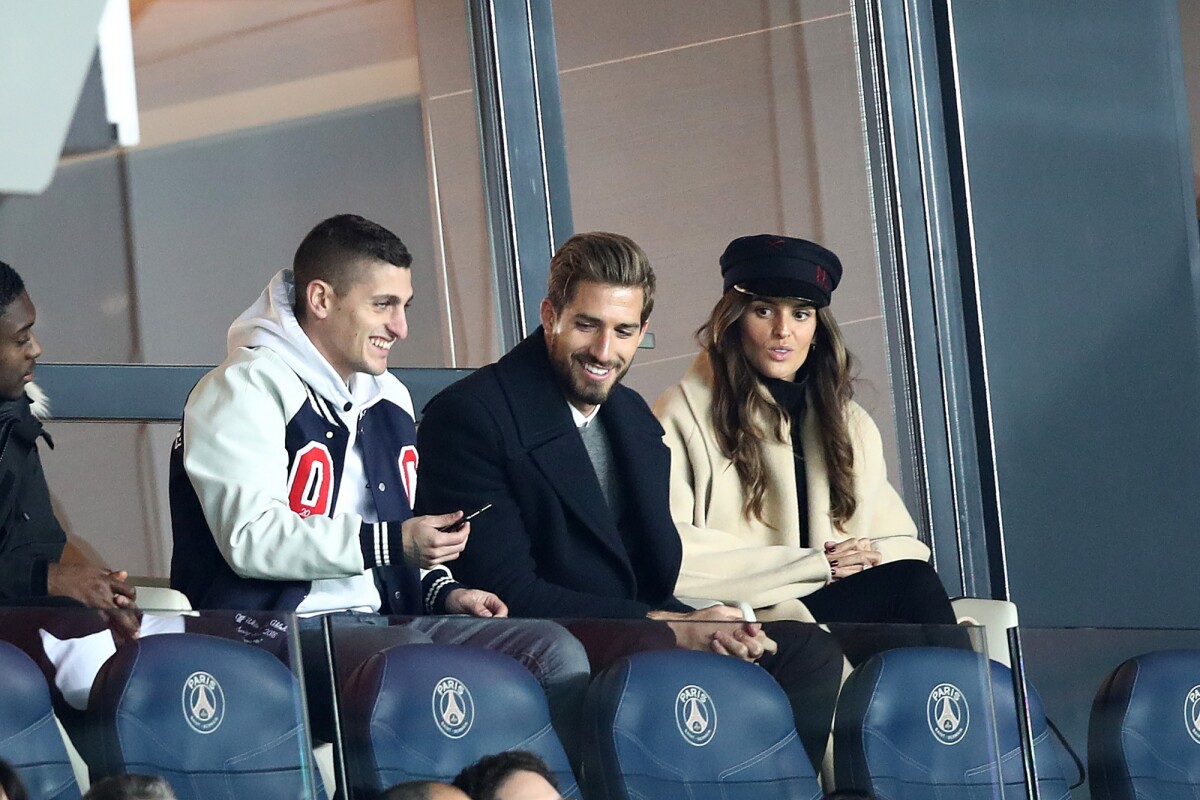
x: 1191, y: 714
x: 203, y: 702
x: 948, y: 713
x: 453, y: 708
x: 695, y: 715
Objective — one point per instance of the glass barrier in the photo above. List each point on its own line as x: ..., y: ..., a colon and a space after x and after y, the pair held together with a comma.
x: 669, y: 145
x: 1127, y: 702
x: 256, y: 124
x: 108, y: 482
x: 258, y: 120
x: 605, y: 702
x: 210, y: 701
x: 891, y: 711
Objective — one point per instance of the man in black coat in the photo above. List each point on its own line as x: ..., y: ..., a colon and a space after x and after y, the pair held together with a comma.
x: 576, y: 471
x: 31, y: 538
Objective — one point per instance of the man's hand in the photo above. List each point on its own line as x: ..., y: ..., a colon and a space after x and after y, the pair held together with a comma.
x: 850, y: 557
x: 93, y: 586
x: 713, y: 629
x: 98, y: 588
x: 475, y: 602
x: 425, y: 546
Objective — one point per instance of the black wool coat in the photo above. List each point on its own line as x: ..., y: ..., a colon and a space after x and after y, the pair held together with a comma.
x: 549, y: 546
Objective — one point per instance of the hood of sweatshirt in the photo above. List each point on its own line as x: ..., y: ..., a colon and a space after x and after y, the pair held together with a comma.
x: 39, y: 404
x: 271, y: 323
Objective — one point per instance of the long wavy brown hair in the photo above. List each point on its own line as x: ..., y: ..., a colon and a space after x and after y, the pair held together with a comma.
x: 745, y: 415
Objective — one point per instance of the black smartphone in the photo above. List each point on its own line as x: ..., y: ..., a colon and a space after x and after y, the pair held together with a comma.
x: 458, y: 526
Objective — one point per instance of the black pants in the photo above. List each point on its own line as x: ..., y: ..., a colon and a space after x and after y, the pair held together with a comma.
x: 898, y: 604
x: 807, y: 666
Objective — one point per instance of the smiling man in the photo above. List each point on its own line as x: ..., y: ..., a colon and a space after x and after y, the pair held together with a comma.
x: 577, y: 473
x: 31, y: 538
x: 296, y: 463
x: 292, y: 479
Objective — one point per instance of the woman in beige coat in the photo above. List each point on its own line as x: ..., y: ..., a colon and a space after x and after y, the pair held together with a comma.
x: 778, y: 483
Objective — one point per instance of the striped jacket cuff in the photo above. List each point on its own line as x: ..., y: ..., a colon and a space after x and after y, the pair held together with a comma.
x: 382, y: 544
x: 436, y: 586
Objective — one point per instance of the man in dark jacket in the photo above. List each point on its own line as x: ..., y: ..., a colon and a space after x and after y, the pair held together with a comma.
x: 31, y: 538
x: 577, y: 473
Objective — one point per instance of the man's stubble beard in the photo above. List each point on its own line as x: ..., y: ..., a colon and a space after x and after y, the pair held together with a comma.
x: 578, y: 388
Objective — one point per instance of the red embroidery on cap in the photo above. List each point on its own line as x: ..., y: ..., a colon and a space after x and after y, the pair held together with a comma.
x: 822, y: 278
x: 775, y: 244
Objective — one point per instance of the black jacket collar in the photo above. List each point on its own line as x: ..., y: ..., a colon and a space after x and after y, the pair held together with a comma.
x: 528, y: 379
x: 17, y: 419
x: 547, y: 431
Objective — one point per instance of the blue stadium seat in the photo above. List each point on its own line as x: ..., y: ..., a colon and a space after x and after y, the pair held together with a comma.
x: 675, y: 723
x: 1144, y: 731
x: 425, y: 711
x: 916, y: 723
x: 29, y: 737
x: 219, y: 719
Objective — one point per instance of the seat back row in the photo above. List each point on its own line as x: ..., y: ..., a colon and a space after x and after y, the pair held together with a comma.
x: 221, y: 719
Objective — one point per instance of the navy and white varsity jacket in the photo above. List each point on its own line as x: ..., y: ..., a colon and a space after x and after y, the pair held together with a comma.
x: 259, y: 511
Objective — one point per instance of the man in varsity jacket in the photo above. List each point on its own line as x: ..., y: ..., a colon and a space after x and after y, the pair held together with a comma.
x: 294, y: 473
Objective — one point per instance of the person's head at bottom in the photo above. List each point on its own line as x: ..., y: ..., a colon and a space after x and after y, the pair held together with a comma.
x: 512, y: 775
x: 11, y: 787
x: 423, y: 790
x: 131, y: 787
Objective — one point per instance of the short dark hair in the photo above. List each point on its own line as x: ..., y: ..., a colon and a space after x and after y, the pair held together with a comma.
x: 10, y: 782
x: 11, y: 286
x: 131, y: 787
x: 599, y: 257
x: 410, y: 790
x: 336, y: 250
x: 481, y: 779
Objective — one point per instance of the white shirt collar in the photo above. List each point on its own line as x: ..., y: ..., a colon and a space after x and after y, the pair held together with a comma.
x: 582, y: 421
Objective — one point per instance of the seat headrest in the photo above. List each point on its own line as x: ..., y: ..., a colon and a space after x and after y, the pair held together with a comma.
x: 1144, y: 730
x: 29, y: 736
x: 662, y: 719
x: 425, y: 711
x: 185, y: 704
x: 912, y: 718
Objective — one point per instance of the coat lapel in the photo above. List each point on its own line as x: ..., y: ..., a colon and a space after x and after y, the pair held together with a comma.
x: 644, y: 461
x: 641, y: 455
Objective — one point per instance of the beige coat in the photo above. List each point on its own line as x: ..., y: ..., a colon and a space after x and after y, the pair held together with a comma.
x: 729, y: 557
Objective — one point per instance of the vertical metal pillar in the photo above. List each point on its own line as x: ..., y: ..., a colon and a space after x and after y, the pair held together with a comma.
x: 524, y: 156
x: 923, y: 299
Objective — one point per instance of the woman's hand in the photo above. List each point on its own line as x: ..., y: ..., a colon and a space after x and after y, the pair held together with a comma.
x: 850, y: 557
